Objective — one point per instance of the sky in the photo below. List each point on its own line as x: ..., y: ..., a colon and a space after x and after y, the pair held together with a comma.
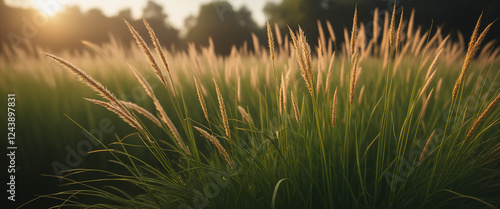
x: 177, y: 10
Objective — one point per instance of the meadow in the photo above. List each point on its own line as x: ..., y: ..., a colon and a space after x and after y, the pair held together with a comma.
x: 402, y: 118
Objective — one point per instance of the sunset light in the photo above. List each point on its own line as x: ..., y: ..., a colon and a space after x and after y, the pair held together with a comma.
x: 49, y: 8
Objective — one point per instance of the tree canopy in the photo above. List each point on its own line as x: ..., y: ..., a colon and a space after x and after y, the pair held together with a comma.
x: 223, y: 24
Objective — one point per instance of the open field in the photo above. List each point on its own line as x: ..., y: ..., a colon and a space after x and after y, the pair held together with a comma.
x: 398, y: 120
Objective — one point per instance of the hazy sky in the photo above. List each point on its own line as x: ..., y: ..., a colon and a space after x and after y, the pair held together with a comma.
x: 177, y: 10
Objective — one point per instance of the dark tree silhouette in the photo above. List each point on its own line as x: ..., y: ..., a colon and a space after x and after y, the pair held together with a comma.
x: 453, y: 15
x: 153, y: 11
x: 225, y: 25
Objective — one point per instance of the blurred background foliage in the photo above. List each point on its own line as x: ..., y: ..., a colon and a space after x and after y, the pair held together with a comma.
x: 227, y: 25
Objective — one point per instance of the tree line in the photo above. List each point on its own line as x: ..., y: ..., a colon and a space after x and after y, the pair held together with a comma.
x: 228, y: 26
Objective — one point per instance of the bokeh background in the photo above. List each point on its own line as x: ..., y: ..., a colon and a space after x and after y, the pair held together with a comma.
x: 68, y: 22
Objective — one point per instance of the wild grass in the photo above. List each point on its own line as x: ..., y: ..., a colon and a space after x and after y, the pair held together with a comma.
x: 400, y: 146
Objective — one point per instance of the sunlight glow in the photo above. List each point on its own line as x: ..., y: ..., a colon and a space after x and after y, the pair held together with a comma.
x: 49, y: 7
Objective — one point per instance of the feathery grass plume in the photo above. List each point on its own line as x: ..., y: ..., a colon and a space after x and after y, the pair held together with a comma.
x: 127, y: 118
x: 486, y: 50
x: 342, y: 65
x: 400, y: 29
x: 157, y: 45
x: 256, y: 45
x: 385, y: 35
x: 426, y: 103
x: 270, y: 39
x: 94, y: 85
x: 354, y: 30
x: 201, y: 99
x: 96, y: 48
x: 329, y: 73
x: 278, y: 34
x: 471, y: 52
x: 142, y: 44
x: 322, y: 38
x: 346, y: 49
x: 375, y: 25
x: 295, y: 108
x: 306, y: 53
x: 217, y: 144
x: 299, y: 50
x: 482, y: 116
x: 222, y: 108
x: 426, y: 148
x: 145, y: 85
x: 319, y: 57
x: 142, y: 111
x: 193, y: 55
x: 392, y: 29
x: 163, y: 115
x: 438, y: 55
x: 280, y: 99
x: 353, y: 79
x: 438, y: 88
x: 361, y: 92
x: 239, y: 89
x: 319, y: 81
x: 409, y: 34
x: 427, y: 83
x: 86, y: 79
x: 283, y: 91
x: 287, y: 78
x: 245, y: 115
x: 330, y: 30
x: 334, y: 108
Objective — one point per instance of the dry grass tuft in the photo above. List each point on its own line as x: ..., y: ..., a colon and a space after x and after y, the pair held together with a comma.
x: 438, y: 55
x: 354, y: 75
x: 270, y: 39
x: 474, y: 44
x: 400, y: 29
x: 118, y: 108
x: 392, y: 29
x: 334, y: 108
x: 157, y: 45
x: 303, y: 53
x: 201, y: 98
x: 426, y: 148
x: 163, y: 115
x: 96, y: 48
x: 222, y: 108
x: 127, y: 118
x: 354, y: 31
x: 142, y: 111
x: 295, y: 108
x: 425, y: 104
x: 217, y: 144
x: 245, y: 115
x: 482, y: 116
x: 361, y: 92
x: 142, y: 44
x: 329, y: 73
x: 427, y: 83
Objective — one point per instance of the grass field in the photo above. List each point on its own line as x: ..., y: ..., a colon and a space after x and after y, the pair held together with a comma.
x: 402, y: 119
